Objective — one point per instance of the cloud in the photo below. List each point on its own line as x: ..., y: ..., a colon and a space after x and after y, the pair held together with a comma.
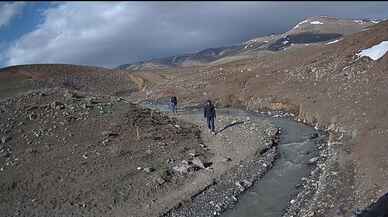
x: 112, y: 33
x: 9, y: 11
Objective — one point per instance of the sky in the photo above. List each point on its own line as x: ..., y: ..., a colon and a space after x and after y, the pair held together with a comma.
x: 109, y: 34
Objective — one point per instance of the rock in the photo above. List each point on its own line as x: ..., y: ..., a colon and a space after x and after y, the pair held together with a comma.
x: 32, y: 107
x: 109, y: 133
x: 193, y: 153
x: 92, y: 100
x: 32, y: 116
x: 68, y: 94
x: 272, y: 132
x: 185, y: 162
x: 31, y: 150
x: 5, y: 154
x: 160, y: 180
x: 247, y: 183
x: 198, y: 162
x: 57, y: 105
x: 148, y: 169
x: 314, y: 135
x: 182, y: 169
x: 226, y: 159
x: 5, y: 139
x: 313, y: 160
x: 238, y: 184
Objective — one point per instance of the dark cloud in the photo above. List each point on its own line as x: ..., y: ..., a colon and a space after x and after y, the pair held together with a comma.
x: 109, y: 34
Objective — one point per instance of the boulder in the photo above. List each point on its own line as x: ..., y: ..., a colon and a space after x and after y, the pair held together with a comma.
x: 182, y: 169
x: 198, y: 162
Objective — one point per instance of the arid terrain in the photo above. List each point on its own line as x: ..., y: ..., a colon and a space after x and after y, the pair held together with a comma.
x: 74, y: 142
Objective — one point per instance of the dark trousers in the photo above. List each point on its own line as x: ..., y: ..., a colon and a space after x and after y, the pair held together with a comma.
x: 173, y: 107
x: 210, y: 123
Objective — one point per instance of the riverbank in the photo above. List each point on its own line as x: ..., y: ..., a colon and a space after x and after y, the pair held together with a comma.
x: 224, y: 193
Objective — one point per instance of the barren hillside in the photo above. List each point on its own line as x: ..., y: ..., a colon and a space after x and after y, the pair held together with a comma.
x: 325, y: 85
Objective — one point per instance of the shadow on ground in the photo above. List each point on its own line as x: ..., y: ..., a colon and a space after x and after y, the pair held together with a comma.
x: 230, y: 125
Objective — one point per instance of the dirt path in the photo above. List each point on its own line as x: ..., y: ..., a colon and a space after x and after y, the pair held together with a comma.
x: 239, y: 138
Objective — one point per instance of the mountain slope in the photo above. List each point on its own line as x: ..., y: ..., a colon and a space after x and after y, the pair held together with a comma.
x: 311, y: 30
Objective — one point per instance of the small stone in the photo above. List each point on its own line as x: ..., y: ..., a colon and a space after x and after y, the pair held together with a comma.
x: 247, y: 183
x: 227, y: 159
x: 313, y: 160
x: 238, y: 184
x: 57, y: 105
x: 109, y: 133
x: 198, y: 162
x: 182, y: 169
x: 32, y: 116
x: 148, y: 169
x: 160, y: 180
x: 314, y: 135
x: 5, y: 139
x: 193, y: 153
x: 185, y: 162
x: 31, y: 150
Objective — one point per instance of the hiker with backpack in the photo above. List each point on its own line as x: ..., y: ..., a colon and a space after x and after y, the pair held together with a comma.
x: 173, y: 104
x: 210, y: 114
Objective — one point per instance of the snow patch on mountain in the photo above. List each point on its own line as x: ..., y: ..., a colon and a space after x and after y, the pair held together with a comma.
x: 332, y: 42
x: 300, y: 23
x: 359, y: 21
x: 316, y: 23
x: 375, y: 52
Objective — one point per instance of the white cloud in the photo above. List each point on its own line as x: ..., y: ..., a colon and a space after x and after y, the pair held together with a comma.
x: 95, y: 34
x: 9, y: 11
x: 113, y: 33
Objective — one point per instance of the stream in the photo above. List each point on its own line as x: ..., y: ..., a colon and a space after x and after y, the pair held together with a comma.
x: 269, y: 197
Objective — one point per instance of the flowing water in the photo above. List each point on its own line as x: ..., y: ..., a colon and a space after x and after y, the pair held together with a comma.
x: 269, y: 197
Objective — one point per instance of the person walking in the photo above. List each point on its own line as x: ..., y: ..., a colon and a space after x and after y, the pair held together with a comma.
x: 173, y: 103
x: 210, y: 114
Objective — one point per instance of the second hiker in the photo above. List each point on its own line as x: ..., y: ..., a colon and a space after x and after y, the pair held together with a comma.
x: 210, y: 114
x: 173, y: 103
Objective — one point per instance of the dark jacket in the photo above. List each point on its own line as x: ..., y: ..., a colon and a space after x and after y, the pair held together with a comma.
x: 174, y: 100
x: 209, y: 111
x: 377, y: 209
